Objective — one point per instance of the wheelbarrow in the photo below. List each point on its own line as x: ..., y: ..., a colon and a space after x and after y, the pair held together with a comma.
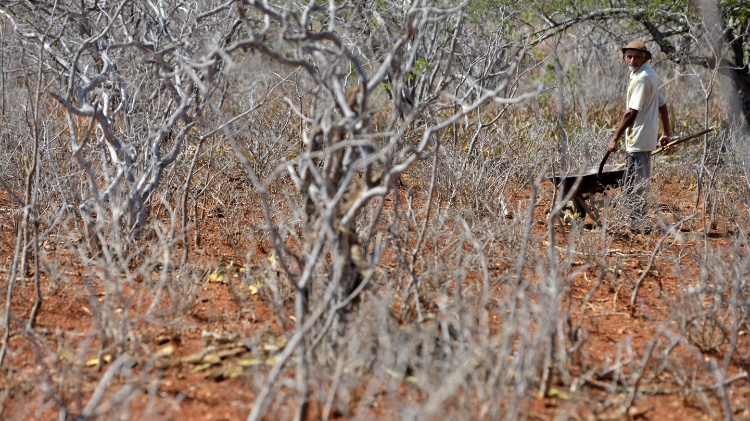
x: 584, y: 184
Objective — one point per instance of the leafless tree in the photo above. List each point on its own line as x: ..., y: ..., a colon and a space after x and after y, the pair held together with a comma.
x: 392, y: 168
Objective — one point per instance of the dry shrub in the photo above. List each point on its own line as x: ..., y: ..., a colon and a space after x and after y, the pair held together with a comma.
x: 465, y: 306
x: 712, y: 312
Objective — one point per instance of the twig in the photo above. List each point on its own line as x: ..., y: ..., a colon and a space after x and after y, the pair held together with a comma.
x: 651, y: 262
x: 186, y: 189
x: 639, y: 372
x: 101, y: 388
x: 261, y: 401
x: 9, y: 297
x: 423, y: 228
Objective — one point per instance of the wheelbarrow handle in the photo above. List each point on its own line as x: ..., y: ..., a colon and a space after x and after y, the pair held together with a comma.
x: 601, y: 165
x: 660, y: 150
x: 684, y: 139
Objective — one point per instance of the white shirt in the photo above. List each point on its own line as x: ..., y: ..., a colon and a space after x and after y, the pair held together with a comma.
x: 644, y: 96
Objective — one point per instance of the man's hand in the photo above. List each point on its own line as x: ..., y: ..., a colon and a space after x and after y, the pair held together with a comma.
x: 614, y: 145
x: 664, y: 140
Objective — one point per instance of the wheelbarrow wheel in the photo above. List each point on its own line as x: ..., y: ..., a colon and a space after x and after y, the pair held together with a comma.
x: 572, y: 211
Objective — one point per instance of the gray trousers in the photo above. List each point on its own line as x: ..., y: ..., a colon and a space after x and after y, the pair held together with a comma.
x: 635, y: 183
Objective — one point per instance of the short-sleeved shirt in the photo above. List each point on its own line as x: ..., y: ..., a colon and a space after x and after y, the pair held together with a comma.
x: 644, y: 97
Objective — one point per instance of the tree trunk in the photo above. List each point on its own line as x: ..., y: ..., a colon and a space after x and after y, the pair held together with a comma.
x: 741, y: 81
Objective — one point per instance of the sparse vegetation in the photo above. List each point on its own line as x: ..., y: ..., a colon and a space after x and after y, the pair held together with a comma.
x: 337, y: 210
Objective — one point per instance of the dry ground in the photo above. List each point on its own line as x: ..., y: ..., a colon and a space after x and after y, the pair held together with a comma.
x: 202, y: 368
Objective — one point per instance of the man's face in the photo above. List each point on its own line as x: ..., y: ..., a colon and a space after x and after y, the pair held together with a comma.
x: 635, y: 59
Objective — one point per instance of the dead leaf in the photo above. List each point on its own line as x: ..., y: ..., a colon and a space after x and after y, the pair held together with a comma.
x: 216, y: 276
x: 249, y: 362
x: 211, y: 358
x: 201, y: 367
x: 230, y: 352
x: 557, y: 393
x: 164, y: 352
x: 231, y: 373
x: 96, y: 361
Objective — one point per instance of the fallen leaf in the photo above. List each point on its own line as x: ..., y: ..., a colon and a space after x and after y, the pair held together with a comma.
x: 249, y: 362
x: 233, y: 372
x: 230, y: 352
x: 200, y: 367
x: 164, y: 352
x: 211, y: 358
x: 557, y: 393
x: 96, y: 361
x: 216, y: 277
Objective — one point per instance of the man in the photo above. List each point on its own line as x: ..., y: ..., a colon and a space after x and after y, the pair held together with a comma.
x: 640, y: 123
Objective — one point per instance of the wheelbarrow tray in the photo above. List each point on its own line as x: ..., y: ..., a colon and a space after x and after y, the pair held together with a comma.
x: 583, y: 183
x: 588, y: 180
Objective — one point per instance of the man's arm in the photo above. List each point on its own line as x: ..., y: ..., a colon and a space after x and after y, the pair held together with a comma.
x: 626, y: 121
x: 666, y: 137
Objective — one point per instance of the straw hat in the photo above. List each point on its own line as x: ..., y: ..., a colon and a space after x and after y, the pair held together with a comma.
x: 636, y: 45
